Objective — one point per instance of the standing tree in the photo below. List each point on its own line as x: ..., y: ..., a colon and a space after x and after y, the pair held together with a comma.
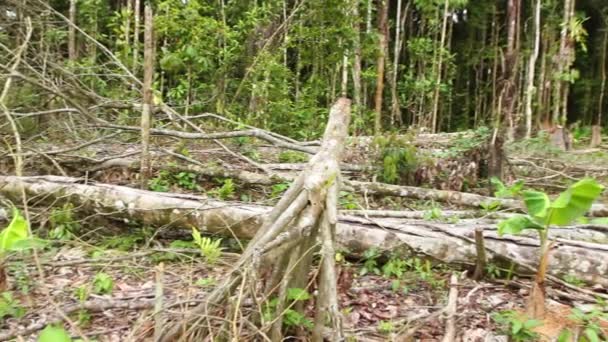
x: 382, y: 47
x: 508, y: 96
x: 530, y: 91
x: 147, y: 94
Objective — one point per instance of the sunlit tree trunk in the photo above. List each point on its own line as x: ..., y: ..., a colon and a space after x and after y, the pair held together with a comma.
x: 72, y: 32
x: 562, y: 64
x: 147, y: 94
x: 509, y: 78
x: 439, y: 66
x: 596, y: 132
x: 382, y: 47
x: 357, y: 89
x: 530, y: 91
x: 136, y: 36
x: 399, y: 24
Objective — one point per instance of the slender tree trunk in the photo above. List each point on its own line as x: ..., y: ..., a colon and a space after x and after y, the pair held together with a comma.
x: 72, y: 32
x: 509, y: 79
x: 439, y: 66
x: 382, y: 47
x: 357, y: 90
x: 147, y: 94
x: 561, y: 63
x: 530, y: 92
x: 399, y: 24
x: 596, y: 130
x: 136, y: 36
x: 128, y: 24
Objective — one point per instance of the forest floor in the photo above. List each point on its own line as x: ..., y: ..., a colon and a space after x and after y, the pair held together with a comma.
x: 104, y: 275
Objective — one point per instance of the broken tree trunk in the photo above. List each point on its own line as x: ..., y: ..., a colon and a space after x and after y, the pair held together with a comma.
x: 304, y: 218
x: 580, y: 251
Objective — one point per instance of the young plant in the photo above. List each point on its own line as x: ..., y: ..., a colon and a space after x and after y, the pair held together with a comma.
x: 504, y: 191
x: 517, y: 326
x: 10, y: 307
x: 291, y: 318
x: 54, y: 334
x: 103, y: 283
x: 544, y: 213
x: 370, y: 263
x: 591, y: 323
x: 226, y: 190
x: 63, y: 224
x: 16, y: 232
x: 210, y: 249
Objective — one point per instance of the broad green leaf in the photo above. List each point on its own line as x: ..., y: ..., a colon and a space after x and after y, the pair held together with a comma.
x: 598, y: 220
x: 17, y: 230
x: 574, y: 202
x: 537, y: 203
x: 516, y: 224
x: 54, y: 334
x: 29, y: 243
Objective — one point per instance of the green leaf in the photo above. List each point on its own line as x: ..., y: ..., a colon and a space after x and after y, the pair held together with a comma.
x: 537, y: 203
x: 196, y: 235
x: 17, y: 230
x: 499, y: 187
x: 516, y: 224
x: 592, y: 335
x: 297, y: 294
x: 574, y: 202
x: 54, y: 334
x: 516, y: 327
x: 565, y: 336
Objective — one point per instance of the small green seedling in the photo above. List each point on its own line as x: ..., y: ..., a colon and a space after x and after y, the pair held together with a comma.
x: 54, y: 334
x: 12, y: 238
x: 103, y: 283
x: 225, y: 191
x: 544, y: 213
x: 386, y: 327
x: 210, y: 249
x: 517, y: 326
x: 10, y: 307
x: 504, y: 191
x: 291, y: 318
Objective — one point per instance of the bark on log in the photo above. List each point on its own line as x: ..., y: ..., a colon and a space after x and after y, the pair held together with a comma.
x: 575, y: 252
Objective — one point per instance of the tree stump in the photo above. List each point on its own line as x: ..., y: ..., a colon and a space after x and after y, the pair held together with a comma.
x: 596, y: 135
x: 280, y: 256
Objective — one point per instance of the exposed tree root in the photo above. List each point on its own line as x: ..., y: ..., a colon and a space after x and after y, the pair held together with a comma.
x: 284, y: 248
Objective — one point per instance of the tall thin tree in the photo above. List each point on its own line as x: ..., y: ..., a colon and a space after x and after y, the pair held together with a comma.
x: 530, y: 91
x: 147, y: 93
x: 382, y: 47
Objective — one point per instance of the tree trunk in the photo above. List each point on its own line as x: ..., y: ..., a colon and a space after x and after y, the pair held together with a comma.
x: 509, y: 78
x: 439, y: 67
x: 530, y: 90
x: 72, y: 54
x: 357, y: 88
x: 382, y: 47
x: 395, y: 108
x: 147, y: 94
x: 596, y: 130
x: 136, y: 36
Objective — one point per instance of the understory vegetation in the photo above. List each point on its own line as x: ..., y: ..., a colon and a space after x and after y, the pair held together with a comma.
x: 314, y: 170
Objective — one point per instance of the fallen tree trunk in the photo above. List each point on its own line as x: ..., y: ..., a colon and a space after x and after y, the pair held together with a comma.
x: 579, y: 251
x: 369, y: 188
